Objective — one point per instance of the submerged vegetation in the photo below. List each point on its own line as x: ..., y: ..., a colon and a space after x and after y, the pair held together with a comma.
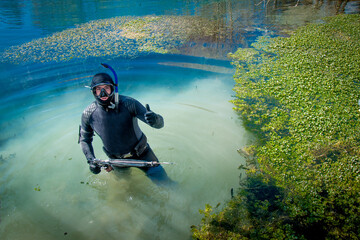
x: 301, y: 97
x: 119, y: 36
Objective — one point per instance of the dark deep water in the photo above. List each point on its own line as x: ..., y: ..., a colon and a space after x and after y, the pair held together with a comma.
x: 46, y: 189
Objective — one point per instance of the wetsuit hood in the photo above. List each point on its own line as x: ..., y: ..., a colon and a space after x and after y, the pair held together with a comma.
x: 103, y: 79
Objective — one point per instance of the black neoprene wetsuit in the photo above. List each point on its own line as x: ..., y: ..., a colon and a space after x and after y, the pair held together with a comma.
x: 118, y: 130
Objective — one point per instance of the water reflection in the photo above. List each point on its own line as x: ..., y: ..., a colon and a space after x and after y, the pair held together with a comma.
x: 58, y: 15
x: 12, y: 12
x: 231, y: 17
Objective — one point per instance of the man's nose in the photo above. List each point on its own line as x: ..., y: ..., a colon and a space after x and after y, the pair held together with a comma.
x: 103, y: 93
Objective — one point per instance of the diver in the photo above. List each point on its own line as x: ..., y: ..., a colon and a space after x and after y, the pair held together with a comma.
x: 116, y: 123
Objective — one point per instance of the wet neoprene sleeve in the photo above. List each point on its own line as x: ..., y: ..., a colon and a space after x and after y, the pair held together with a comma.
x: 87, y: 133
x: 138, y: 110
x: 87, y: 147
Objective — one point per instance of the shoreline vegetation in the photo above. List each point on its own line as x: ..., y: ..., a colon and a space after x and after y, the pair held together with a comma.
x: 300, y: 95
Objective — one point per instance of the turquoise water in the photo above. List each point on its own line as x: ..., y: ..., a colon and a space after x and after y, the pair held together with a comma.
x: 46, y: 189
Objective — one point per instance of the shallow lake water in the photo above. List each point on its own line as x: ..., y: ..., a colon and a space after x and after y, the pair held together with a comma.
x: 46, y: 188
x: 48, y: 191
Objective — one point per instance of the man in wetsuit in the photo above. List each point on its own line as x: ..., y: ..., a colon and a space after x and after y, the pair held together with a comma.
x: 118, y: 128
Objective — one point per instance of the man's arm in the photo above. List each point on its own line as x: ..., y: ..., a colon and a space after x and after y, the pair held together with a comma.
x: 86, y: 137
x: 144, y: 114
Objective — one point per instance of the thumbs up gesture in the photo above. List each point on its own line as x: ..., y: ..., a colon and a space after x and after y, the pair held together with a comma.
x: 150, y: 116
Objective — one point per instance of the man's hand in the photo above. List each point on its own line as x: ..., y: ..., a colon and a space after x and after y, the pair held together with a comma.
x: 94, y: 168
x: 150, y: 116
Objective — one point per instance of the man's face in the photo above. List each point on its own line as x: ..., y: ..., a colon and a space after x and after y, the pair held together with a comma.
x: 98, y: 89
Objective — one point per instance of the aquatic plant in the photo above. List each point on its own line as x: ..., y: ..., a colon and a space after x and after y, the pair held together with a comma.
x: 119, y: 36
x: 300, y: 96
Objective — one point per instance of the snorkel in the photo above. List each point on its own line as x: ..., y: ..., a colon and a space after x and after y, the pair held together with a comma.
x: 116, y: 84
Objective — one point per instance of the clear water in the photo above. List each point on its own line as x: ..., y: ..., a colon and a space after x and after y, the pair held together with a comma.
x: 46, y: 189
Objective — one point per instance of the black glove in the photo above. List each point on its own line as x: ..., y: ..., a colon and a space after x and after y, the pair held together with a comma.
x: 94, y: 168
x: 150, y: 116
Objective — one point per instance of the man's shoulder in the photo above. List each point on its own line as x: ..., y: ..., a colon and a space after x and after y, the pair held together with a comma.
x: 89, y: 110
x: 129, y: 103
x: 123, y: 99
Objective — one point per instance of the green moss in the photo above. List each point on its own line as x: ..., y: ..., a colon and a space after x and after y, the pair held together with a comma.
x: 300, y: 95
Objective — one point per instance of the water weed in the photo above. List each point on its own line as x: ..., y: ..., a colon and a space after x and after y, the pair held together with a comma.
x: 300, y: 95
